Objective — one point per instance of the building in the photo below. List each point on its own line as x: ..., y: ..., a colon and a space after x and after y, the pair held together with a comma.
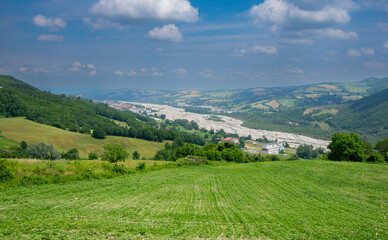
x: 231, y: 140
x: 273, y: 148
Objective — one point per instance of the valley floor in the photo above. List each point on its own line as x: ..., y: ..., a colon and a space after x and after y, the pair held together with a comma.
x: 276, y: 200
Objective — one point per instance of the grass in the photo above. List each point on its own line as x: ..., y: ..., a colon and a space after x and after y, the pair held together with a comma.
x: 6, y: 144
x: 270, y: 200
x: 20, y: 129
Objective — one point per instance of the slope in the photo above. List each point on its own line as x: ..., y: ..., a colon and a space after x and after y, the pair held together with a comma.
x: 273, y: 200
x: 20, y: 129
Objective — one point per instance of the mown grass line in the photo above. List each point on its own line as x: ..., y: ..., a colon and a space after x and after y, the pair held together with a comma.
x: 275, y: 200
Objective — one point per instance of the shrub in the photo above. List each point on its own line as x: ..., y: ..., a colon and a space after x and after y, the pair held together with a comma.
x: 141, y: 166
x: 135, y: 155
x: 5, y: 173
x: 43, y: 151
x: 376, y: 158
x: 93, y: 156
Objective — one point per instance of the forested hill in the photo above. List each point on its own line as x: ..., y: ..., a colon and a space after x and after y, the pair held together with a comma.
x: 367, y: 116
x: 78, y: 115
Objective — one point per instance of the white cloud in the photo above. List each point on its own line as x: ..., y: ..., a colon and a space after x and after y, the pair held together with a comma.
x: 101, y: 23
x: 180, y: 72
x: 368, y: 51
x: 2, y: 70
x: 156, y: 74
x: 78, y: 64
x: 257, y: 49
x: 91, y: 66
x: 132, y: 73
x: 166, y: 33
x: 386, y: 44
x: 119, y: 73
x: 295, y: 70
x: 375, y: 65
x: 299, y: 41
x: 363, y: 51
x: 125, y: 12
x: 287, y: 15
x: 383, y: 26
x: 92, y: 73
x: 23, y: 70
x: 40, y: 70
x: 42, y: 21
x: 353, y: 52
x: 51, y: 37
x: 337, y: 33
x: 264, y: 49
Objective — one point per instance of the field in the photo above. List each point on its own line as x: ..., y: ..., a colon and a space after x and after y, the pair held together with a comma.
x: 271, y: 200
x: 20, y: 129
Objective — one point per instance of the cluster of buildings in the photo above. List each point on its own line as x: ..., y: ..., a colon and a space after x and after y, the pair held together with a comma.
x: 270, y: 148
x: 122, y: 106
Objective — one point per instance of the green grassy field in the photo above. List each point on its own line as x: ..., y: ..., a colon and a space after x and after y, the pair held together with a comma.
x: 20, y: 129
x: 271, y: 200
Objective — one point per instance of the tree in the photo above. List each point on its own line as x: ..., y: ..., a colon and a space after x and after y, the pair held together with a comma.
x: 93, y: 156
x: 135, y: 155
x: 114, y: 153
x: 43, y: 151
x: 382, y: 148
x: 242, y: 143
x: 375, y: 157
x: 304, y: 151
x: 346, y: 147
x: 72, y: 154
x: 163, y: 116
x: 99, y: 133
x: 23, y: 145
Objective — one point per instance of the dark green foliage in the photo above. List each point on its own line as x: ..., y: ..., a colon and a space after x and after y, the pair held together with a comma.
x: 74, y: 114
x: 72, y: 154
x: 5, y: 173
x: 93, y: 156
x: 23, y: 145
x: 43, y: 151
x: 141, y: 166
x: 99, y: 133
x: 382, y: 148
x: 346, y: 147
x: 375, y: 157
x: 135, y: 155
x: 306, y: 151
x: 114, y: 153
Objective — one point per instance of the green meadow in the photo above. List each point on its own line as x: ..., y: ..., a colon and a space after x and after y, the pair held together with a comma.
x: 21, y: 129
x: 269, y: 200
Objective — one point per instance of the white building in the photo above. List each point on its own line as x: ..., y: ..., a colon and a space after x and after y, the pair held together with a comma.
x: 273, y: 148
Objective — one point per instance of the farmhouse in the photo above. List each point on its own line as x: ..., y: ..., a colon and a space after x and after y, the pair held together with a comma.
x: 273, y: 148
x: 231, y: 140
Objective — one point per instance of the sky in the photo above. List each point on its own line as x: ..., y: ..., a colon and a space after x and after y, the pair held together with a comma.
x: 192, y: 44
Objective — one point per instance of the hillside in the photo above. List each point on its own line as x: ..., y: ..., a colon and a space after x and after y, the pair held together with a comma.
x: 272, y: 200
x: 308, y: 110
x: 20, y: 129
x: 367, y: 117
x: 19, y: 99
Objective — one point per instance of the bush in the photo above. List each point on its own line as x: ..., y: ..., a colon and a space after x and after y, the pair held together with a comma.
x: 141, y: 166
x: 135, y: 155
x: 346, y: 147
x: 375, y: 157
x: 93, y: 156
x: 43, y: 151
x: 5, y: 173
x: 71, y: 154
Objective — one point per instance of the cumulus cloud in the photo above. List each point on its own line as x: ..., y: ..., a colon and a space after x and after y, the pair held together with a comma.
x: 93, y: 73
x: 132, y: 73
x: 40, y: 70
x: 295, y: 70
x: 257, y: 49
x: 353, y: 52
x: 23, y: 70
x: 287, y: 15
x: 166, y: 33
x: 126, y: 12
x: 363, y: 51
x: 337, y: 33
x: 101, y: 23
x: 299, y: 41
x: 180, y: 72
x: 78, y: 66
x: 42, y: 21
x: 91, y: 66
x: 386, y: 44
x: 51, y: 38
x: 119, y: 73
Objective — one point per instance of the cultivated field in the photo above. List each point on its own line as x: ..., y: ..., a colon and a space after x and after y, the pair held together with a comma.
x: 271, y: 200
x: 20, y: 129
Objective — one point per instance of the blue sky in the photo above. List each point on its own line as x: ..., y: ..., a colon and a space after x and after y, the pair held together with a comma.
x: 192, y: 44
